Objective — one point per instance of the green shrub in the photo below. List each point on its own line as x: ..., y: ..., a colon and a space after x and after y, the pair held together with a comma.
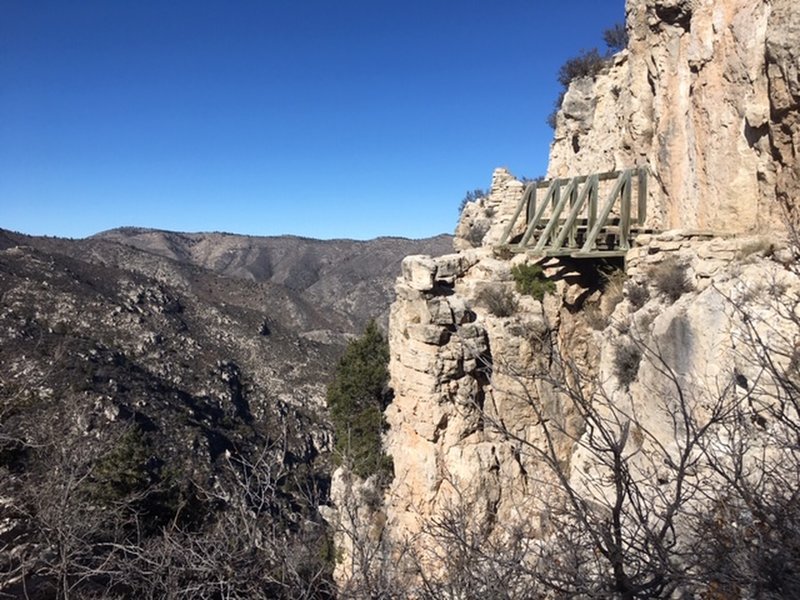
x: 670, y: 279
x: 531, y: 280
x: 499, y: 301
x: 356, y: 399
x: 123, y: 471
x: 130, y: 474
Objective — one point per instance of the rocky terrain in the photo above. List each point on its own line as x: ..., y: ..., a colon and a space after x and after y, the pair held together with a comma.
x: 194, y: 375
x: 558, y: 427
x: 600, y: 428
x: 498, y: 397
x: 349, y: 281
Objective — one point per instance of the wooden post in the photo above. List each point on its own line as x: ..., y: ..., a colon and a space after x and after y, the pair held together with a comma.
x: 641, y: 213
x: 531, y: 203
x: 625, y: 211
x: 534, y: 222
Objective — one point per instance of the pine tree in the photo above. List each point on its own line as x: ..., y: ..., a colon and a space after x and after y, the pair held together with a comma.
x: 356, y: 399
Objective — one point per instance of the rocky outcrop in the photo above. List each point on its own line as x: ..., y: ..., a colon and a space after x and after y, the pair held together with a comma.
x: 483, y: 222
x: 707, y: 95
x: 511, y: 411
x: 444, y: 343
x: 475, y: 381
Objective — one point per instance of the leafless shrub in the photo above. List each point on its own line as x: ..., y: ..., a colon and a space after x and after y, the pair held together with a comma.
x: 616, y: 37
x: 594, y: 316
x: 637, y: 296
x: 670, y: 279
x: 627, y: 357
x: 761, y: 246
x: 89, y: 527
x: 499, y: 300
x: 472, y: 196
x: 477, y: 232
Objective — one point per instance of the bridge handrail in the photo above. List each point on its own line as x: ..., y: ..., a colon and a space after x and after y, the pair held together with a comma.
x: 566, y: 189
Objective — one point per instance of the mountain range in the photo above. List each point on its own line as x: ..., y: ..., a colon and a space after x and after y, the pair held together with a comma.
x: 206, y: 347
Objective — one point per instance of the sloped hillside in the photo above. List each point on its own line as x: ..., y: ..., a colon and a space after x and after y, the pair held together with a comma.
x: 162, y: 424
x: 352, y: 281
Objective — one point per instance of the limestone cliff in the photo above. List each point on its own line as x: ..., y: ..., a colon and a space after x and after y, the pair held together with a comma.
x: 707, y: 95
x: 525, y: 427
x: 497, y: 393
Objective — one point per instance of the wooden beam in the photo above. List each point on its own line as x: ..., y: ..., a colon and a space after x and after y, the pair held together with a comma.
x: 553, y: 222
x: 601, y: 219
x: 572, y: 217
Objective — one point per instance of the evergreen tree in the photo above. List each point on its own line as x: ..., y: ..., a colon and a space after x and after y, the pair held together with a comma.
x: 356, y: 399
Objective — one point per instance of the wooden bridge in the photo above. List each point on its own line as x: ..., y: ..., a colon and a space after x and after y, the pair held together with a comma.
x: 568, y: 221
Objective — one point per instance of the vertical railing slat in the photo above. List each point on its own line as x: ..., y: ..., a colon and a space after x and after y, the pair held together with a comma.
x: 534, y: 222
x: 625, y: 212
x: 641, y: 214
x: 603, y: 216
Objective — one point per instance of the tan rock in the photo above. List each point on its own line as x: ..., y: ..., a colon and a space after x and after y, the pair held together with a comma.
x: 419, y: 271
x: 701, y: 101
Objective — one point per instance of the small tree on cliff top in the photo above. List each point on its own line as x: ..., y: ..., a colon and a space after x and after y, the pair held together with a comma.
x: 588, y: 63
x: 356, y: 398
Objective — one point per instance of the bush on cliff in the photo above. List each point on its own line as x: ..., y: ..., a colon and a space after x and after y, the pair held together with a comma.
x: 472, y: 196
x: 356, y: 398
x: 531, y: 280
x: 588, y: 63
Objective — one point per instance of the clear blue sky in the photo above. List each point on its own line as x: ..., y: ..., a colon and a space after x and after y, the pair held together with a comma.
x: 322, y: 118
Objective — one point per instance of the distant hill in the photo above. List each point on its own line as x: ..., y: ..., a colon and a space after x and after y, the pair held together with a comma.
x: 352, y: 281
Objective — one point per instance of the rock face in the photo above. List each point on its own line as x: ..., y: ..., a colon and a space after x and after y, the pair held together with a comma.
x: 501, y: 398
x: 483, y: 222
x: 478, y: 368
x: 707, y: 95
x: 444, y: 341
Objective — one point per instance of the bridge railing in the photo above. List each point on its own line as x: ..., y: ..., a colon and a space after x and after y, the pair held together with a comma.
x: 569, y: 218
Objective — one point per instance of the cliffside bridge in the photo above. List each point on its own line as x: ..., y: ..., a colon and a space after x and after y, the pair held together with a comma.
x: 568, y: 221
